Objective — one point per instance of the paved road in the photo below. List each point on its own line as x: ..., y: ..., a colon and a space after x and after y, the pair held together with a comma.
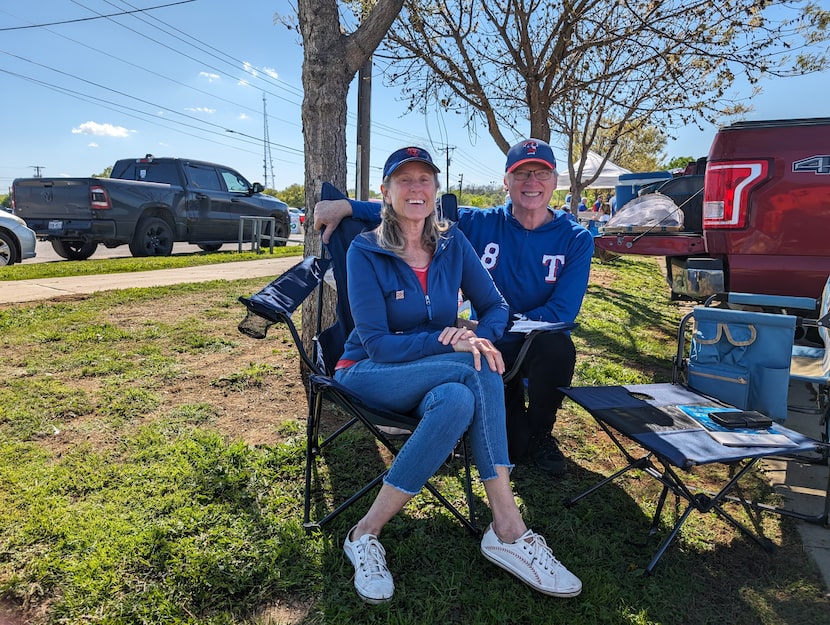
x: 46, y: 254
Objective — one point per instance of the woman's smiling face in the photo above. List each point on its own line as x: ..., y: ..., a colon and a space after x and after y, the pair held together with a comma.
x: 411, y: 191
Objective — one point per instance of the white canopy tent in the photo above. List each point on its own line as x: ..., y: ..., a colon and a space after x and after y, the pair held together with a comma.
x: 608, y: 177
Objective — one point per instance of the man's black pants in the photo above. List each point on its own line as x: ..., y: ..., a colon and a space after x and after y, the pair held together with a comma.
x: 548, y: 364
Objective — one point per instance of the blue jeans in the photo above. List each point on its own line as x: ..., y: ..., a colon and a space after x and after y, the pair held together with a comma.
x: 450, y: 397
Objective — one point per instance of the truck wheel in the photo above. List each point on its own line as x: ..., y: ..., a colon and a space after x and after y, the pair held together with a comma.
x: 8, y: 250
x: 153, y: 237
x: 74, y: 250
x: 209, y: 247
x: 281, y: 234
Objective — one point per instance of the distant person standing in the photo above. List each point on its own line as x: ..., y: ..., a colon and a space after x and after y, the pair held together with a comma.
x: 604, y: 212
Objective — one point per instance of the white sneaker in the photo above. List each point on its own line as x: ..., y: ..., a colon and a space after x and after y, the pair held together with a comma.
x: 531, y: 560
x: 372, y: 579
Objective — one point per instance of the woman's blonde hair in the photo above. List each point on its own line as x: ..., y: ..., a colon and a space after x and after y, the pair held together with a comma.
x: 389, y: 231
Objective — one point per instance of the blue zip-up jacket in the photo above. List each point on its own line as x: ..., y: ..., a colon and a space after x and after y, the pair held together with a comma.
x: 542, y: 273
x: 395, y: 321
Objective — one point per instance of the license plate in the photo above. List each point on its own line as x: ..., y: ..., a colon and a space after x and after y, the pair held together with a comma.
x: 56, y: 224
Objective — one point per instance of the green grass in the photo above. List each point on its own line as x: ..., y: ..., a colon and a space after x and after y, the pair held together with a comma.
x: 32, y: 271
x: 135, y: 488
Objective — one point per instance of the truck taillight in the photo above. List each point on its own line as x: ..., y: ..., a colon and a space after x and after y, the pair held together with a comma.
x: 726, y: 192
x: 99, y: 199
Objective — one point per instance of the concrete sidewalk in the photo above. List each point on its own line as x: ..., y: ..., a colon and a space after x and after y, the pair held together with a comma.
x: 15, y: 291
x: 803, y: 486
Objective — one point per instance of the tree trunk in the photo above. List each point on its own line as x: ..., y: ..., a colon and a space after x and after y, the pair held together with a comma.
x: 330, y: 61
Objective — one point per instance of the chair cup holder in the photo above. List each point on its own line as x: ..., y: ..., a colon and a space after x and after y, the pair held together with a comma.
x: 254, y: 325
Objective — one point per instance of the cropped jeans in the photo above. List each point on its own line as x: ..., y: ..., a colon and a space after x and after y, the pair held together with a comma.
x: 450, y: 397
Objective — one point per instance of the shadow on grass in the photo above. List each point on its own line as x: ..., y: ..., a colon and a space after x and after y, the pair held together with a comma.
x: 441, y: 577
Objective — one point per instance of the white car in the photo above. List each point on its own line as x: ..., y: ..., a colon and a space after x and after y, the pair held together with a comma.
x: 297, y: 220
x: 17, y: 242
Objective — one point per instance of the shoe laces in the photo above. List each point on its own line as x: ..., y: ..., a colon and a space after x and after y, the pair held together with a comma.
x: 372, y: 559
x: 540, y: 552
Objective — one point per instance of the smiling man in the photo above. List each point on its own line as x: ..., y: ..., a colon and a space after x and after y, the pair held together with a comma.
x: 540, y: 260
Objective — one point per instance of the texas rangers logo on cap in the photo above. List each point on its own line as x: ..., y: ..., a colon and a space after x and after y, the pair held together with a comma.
x: 530, y: 151
x: 407, y: 155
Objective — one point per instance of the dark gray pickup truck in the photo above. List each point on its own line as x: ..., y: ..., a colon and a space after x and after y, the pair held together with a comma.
x: 147, y: 203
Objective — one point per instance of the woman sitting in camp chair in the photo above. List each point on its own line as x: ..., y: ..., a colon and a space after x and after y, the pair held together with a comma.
x: 405, y: 354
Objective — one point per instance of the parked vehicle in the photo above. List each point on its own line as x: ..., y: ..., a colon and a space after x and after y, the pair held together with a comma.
x: 764, y: 216
x: 297, y: 220
x: 147, y: 203
x: 17, y: 242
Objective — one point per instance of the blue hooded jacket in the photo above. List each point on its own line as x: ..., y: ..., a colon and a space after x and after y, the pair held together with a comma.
x: 395, y: 321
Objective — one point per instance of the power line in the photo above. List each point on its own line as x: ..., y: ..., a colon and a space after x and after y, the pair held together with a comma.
x: 379, y: 130
x: 88, y: 19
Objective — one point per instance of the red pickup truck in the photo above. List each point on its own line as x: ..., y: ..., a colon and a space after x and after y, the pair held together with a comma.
x: 765, y: 222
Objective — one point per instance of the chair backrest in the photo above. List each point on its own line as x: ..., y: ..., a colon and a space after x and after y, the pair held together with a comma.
x: 742, y: 358
x: 331, y: 340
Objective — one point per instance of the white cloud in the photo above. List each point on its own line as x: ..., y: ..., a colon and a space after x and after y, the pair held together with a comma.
x: 210, y: 77
x: 271, y: 72
x: 243, y: 116
x: 92, y: 144
x: 102, y: 130
x: 200, y: 109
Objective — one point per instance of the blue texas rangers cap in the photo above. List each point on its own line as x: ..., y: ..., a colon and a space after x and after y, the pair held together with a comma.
x: 407, y: 155
x: 530, y: 151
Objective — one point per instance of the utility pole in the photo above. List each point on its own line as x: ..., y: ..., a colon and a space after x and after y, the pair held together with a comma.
x: 460, y: 182
x: 38, y: 169
x: 448, y: 149
x: 266, y: 149
x: 364, y: 105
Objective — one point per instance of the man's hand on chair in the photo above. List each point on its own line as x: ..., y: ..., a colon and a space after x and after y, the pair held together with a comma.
x: 328, y: 214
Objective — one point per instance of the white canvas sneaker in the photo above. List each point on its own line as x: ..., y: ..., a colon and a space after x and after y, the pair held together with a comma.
x: 531, y: 560
x: 372, y: 578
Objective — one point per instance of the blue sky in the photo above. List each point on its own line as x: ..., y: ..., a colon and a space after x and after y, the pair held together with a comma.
x: 189, y: 81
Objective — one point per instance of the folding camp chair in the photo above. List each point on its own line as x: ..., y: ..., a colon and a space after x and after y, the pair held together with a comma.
x: 810, y: 365
x: 736, y: 360
x: 275, y: 304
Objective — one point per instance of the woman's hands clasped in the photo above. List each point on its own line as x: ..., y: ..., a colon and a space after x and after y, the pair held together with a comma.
x: 465, y: 340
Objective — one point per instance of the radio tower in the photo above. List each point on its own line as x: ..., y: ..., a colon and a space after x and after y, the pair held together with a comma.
x: 267, y: 161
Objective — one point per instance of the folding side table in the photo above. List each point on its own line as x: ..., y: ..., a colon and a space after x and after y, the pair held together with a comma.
x: 655, y: 417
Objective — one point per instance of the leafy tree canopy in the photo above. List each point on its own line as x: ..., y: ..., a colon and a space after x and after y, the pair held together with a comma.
x: 584, y: 69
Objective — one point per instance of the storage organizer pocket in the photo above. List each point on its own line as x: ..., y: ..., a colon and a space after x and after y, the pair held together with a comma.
x: 719, y: 342
x: 762, y: 394
x: 726, y: 383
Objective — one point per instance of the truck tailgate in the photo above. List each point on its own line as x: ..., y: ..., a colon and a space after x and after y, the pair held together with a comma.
x: 54, y: 198
x: 657, y: 244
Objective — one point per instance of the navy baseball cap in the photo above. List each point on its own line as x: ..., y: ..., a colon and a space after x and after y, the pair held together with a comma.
x: 530, y: 151
x: 407, y: 155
